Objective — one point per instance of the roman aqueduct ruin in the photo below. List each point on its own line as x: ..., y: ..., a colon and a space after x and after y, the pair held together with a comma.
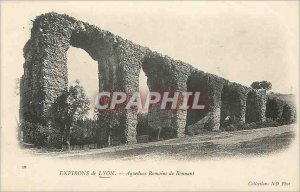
x: 119, y: 64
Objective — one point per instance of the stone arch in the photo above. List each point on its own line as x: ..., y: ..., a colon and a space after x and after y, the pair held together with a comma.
x: 233, y: 105
x: 161, y: 75
x: 196, y: 119
x: 280, y: 110
x: 210, y: 87
x: 45, y: 69
x: 119, y: 64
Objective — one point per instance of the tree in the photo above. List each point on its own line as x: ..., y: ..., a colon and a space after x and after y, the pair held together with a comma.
x: 255, y: 85
x: 70, y: 107
x: 262, y: 85
x: 84, y: 132
x: 34, y: 133
x: 266, y: 85
x: 142, y: 127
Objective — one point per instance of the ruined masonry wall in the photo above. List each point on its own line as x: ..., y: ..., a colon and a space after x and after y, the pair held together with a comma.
x: 119, y: 62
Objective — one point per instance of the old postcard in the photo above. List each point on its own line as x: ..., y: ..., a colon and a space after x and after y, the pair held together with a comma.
x: 149, y: 96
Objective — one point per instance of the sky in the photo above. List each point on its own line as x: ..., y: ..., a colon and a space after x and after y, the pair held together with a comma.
x: 241, y: 41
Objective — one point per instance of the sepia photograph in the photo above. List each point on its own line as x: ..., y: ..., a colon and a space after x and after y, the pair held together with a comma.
x: 149, y: 96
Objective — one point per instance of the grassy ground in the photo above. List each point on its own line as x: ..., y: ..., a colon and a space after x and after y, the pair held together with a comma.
x: 209, y: 146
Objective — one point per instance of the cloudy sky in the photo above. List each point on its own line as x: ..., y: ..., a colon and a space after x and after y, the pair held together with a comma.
x: 241, y: 41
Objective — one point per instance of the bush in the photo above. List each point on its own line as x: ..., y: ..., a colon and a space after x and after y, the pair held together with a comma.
x: 83, y: 132
x: 34, y: 133
x: 142, y: 127
x: 254, y: 125
x: 231, y: 127
x: 268, y: 123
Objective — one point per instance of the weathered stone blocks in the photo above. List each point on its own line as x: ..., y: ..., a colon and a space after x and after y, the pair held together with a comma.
x: 120, y: 61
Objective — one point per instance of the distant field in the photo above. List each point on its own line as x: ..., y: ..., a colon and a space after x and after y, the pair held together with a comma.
x: 209, y: 146
x: 289, y: 98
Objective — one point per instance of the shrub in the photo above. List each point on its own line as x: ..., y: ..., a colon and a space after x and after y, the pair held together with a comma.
x: 34, y: 133
x: 253, y: 125
x: 142, y: 125
x: 268, y: 123
x: 231, y: 127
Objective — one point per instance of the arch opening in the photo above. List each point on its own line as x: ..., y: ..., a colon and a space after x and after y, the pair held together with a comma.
x: 251, y: 108
x: 274, y: 108
x: 230, y: 107
x: 159, y: 79
x: 196, y: 118
x: 83, y: 70
x: 142, y: 127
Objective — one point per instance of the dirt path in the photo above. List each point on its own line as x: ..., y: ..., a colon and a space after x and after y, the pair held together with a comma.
x: 212, y: 145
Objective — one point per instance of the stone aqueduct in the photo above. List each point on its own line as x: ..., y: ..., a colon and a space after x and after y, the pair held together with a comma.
x: 120, y: 62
